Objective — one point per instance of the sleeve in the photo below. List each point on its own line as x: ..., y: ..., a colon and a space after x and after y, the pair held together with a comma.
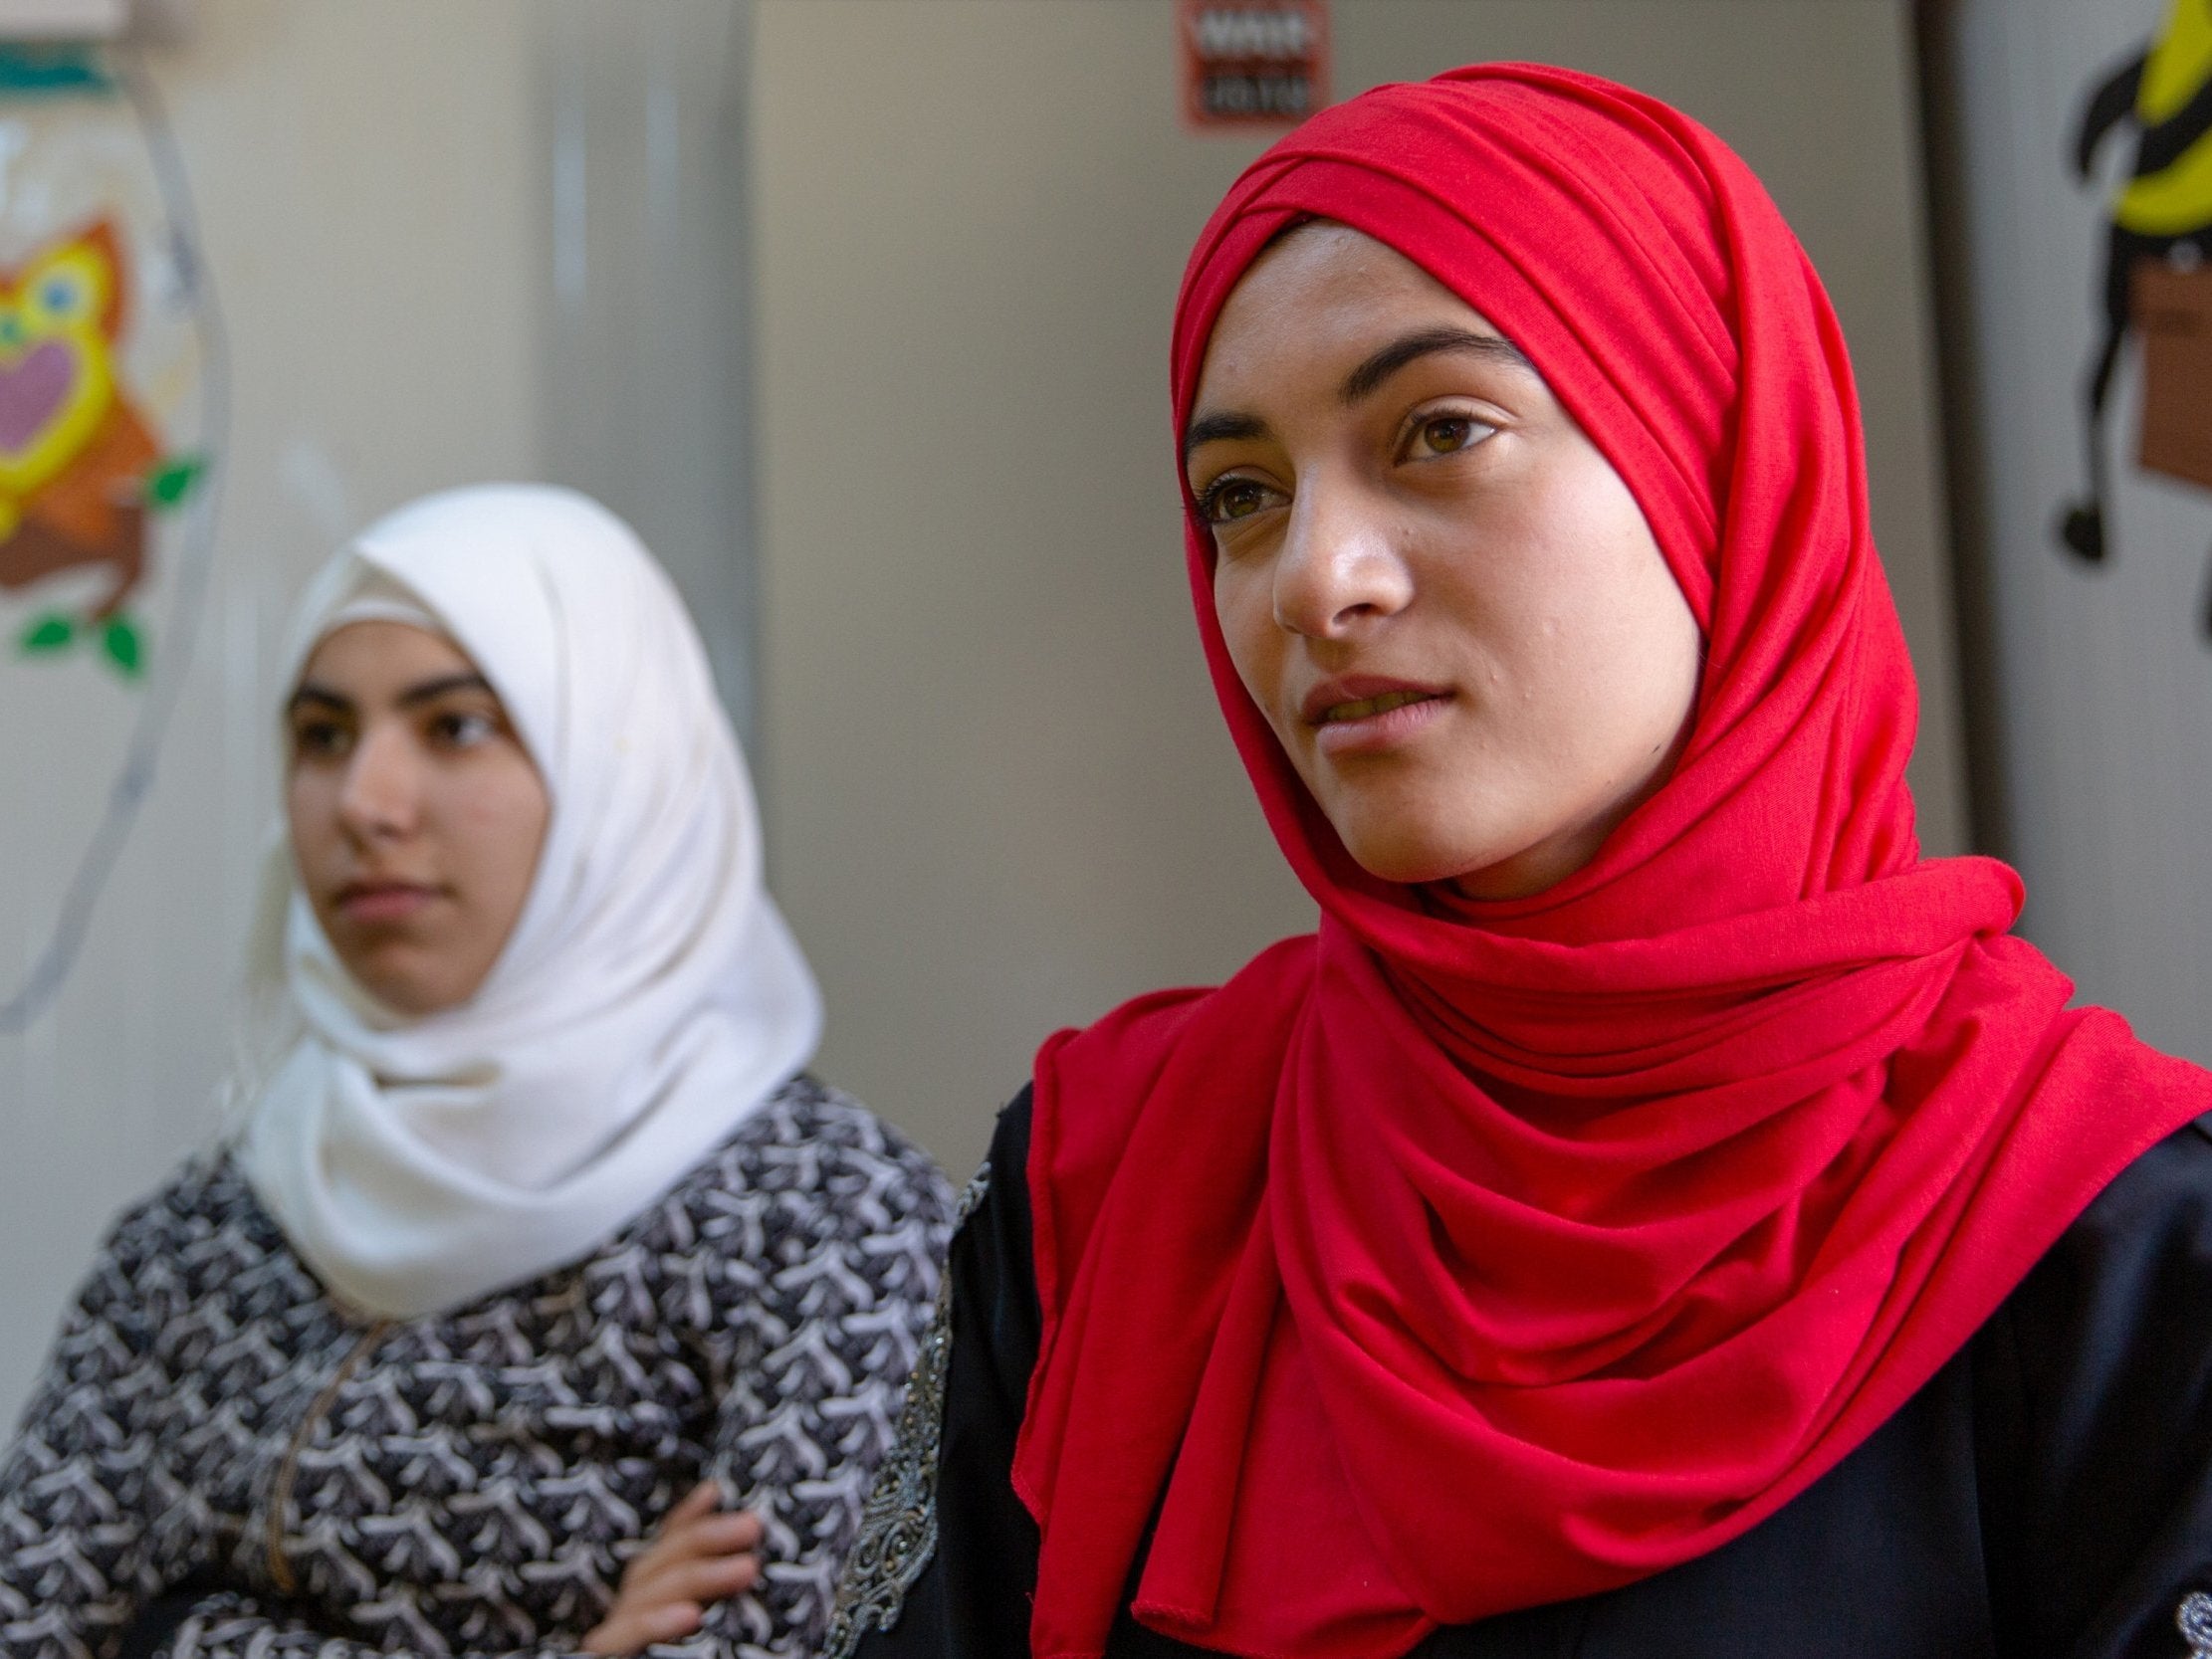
x: 946, y: 1559
x: 85, y: 1476
x: 803, y: 1431
x: 227, y: 1624
x: 2094, y: 1417
x: 208, y: 1623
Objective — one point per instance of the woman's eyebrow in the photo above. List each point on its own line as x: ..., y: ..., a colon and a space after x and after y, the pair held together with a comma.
x: 1426, y: 342
x: 429, y: 690
x: 1365, y: 379
x: 308, y: 693
x: 1212, y: 429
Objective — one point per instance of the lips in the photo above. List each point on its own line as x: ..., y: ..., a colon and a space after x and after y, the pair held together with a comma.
x: 380, y: 901
x: 1367, y: 715
x: 1371, y: 706
x: 1350, y: 698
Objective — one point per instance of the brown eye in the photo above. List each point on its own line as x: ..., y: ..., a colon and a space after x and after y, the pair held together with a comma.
x: 314, y: 739
x: 1232, y: 499
x: 462, y: 727
x: 1447, y: 434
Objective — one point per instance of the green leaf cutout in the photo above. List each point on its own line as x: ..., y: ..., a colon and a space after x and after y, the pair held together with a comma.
x: 120, y: 640
x: 169, y: 484
x: 51, y: 631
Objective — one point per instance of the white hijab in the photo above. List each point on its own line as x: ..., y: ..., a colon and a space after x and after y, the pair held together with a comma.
x: 649, y: 998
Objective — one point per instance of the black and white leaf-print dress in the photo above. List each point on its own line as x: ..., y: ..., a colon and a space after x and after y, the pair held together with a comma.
x: 213, y: 1421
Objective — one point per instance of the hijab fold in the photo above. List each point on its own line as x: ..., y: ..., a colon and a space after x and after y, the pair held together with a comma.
x: 650, y: 997
x: 1465, y: 1256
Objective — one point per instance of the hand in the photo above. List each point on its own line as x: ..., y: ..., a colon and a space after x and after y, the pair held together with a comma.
x: 700, y: 1555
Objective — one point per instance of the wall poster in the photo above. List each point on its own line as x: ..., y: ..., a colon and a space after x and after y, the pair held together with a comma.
x: 2085, y: 132
x: 108, y: 414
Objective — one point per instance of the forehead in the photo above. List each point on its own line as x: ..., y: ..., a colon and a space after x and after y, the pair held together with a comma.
x: 1314, y: 304
x: 363, y: 660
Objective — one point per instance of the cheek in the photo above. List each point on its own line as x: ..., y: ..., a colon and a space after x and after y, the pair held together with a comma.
x: 498, y: 811
x: 1623, y: 646
x: 1243, y: 606
x: 310, y: 801
x: 1581, y: 541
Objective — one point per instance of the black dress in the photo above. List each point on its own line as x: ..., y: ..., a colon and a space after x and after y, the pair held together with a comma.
x: 2048, y: 1494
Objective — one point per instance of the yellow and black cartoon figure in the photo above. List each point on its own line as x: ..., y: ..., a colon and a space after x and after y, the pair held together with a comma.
x: 2157, y: 279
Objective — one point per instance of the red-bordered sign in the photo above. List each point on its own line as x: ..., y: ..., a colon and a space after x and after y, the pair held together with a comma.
x: 1252, y: 63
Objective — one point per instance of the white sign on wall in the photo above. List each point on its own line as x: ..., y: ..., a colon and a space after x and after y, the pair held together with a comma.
x: 1252, y: 63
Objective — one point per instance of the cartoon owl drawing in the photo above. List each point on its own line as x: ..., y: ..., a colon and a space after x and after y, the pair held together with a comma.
x: 75, y: 455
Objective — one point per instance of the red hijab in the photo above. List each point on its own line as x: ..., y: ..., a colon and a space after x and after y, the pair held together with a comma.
x: 1462, y: 1257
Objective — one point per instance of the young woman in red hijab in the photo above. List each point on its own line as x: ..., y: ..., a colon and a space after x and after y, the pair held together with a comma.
x: 1658, y: 1214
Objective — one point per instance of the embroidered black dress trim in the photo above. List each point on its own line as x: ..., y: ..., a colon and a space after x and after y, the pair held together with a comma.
x: 898, y: 1524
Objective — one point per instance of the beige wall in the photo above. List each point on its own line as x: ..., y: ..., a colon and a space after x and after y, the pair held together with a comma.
x: 380, y: 342
x: 1000, y: 797
x: 404, y: 311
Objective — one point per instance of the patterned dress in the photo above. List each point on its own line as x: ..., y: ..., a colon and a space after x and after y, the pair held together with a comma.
x: 472, y: 1482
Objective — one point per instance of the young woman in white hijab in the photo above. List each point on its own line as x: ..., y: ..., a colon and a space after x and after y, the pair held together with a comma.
x: 540, y: 1301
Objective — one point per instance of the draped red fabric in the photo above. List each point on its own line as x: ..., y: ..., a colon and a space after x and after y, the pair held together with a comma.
x: 1461, y: 1256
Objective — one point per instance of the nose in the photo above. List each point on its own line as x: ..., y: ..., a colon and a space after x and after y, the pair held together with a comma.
x: 381, y: 796
x: 1340, y: 569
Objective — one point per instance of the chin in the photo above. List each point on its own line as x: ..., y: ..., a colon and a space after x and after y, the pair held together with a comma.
x: 403, y: 997
x: 1391, y: 855
x: 400, y: 986
x: 1413, y: 848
